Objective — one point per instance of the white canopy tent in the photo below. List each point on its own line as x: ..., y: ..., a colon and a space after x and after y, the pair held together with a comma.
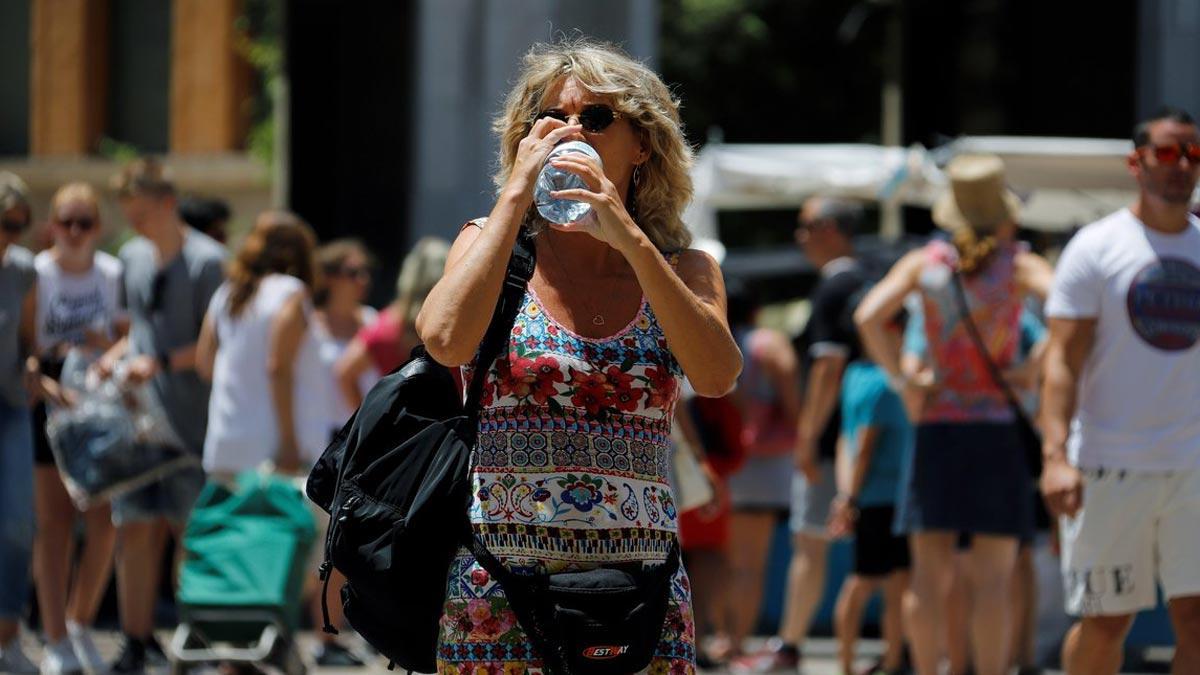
x: 1064, y: 182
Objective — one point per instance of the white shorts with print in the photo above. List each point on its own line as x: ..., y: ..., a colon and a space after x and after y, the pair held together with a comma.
x: 1136, y: 529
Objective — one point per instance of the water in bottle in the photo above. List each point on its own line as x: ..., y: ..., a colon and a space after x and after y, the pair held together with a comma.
x: 562, y: 211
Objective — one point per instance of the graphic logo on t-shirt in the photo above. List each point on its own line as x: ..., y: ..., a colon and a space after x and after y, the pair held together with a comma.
x: 1164, y: 304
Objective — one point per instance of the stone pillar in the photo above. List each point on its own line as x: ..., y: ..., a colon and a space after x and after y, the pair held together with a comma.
x: 1168, y: 49
x: 209, y: 80
x: 68, y: 74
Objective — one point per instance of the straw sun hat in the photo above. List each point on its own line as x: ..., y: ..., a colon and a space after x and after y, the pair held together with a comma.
x: 978, y: 197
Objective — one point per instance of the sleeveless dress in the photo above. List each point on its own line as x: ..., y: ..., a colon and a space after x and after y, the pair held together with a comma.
x: 570, y: 472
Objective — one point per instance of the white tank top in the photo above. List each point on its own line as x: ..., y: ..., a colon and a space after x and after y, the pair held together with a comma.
x: 242, y: 430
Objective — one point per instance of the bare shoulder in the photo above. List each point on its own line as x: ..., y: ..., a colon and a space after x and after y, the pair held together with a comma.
x: 698, y: 265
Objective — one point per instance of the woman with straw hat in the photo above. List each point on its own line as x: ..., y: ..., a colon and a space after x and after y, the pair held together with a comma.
x: 969, y: 470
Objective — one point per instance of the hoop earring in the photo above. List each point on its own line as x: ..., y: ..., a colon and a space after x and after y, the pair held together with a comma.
x: 637, y: 175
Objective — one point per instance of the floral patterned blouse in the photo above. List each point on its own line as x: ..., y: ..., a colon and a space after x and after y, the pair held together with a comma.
x: 571, y: 465
x: 967, y: 392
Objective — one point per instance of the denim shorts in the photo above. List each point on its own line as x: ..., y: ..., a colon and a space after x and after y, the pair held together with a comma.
x: 968, y: 478
x: 811, y: 502
x: 170, y: 498
x: 763, y: 483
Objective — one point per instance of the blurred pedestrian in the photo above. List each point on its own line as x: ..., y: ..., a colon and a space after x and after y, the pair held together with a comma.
x: 383, y: 344
x: 1023, y: 376
x: 768, y: 398
x: 170, y: 272
x: 711, y: 429
x: 250, y: 346
x: 828, y: 343
x: 969, y: 472
x: 339, y: 316
x: 209, y: 215
x: 79, y: 308
x: 876, y: 435
x: 18, y: 308
x: 617, y: 312
x: 1122, y: 466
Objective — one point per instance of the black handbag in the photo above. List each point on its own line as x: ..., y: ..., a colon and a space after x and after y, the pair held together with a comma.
x: 1031, y: 439
x: 396, y: 485
x: 605, y: 621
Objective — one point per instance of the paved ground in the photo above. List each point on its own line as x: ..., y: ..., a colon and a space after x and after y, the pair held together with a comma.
x: 820, y: 656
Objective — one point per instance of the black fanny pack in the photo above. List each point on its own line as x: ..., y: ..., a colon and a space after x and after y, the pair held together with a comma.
x: 606, y: 621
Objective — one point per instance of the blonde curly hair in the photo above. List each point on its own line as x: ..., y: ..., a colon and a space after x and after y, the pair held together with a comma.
x: 664, y: 187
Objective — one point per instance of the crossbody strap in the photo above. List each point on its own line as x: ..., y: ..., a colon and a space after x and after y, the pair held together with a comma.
x: 516, y: 278
x: 993, y: 369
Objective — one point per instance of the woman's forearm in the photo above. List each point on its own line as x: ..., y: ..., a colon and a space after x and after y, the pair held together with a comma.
x: 695, y: 330
x: 458, y: 310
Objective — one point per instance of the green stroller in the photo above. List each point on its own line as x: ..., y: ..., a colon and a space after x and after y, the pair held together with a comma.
x: 246, y: 554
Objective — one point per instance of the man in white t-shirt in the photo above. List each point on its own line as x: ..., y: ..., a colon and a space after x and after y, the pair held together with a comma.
x: 1122, y: 432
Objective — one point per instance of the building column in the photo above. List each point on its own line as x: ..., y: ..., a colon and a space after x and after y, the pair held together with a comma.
x: 68, y: 73
x: 209, y: 79
x: 1168, y: 48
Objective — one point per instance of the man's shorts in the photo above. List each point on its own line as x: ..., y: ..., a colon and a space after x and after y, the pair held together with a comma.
x: 878, y: 552
x: 810, y: 503
x: 1136, y: 528
x: 170, y: 498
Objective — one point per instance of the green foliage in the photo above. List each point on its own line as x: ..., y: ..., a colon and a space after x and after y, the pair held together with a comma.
x: 260, y: 42
x: 772, y: 71
x: 117, y: 151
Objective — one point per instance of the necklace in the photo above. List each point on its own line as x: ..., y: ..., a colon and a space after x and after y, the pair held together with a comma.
x: 597, y: 317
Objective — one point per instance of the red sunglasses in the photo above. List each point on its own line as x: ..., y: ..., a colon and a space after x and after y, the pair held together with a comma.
x: 1170, y: 154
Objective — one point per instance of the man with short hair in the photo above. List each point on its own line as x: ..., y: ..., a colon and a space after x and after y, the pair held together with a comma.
x: 170, y: 273
x: 1122, y: 435
x: 829, y: 341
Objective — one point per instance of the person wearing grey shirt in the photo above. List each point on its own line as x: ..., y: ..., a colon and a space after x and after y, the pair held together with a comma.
x: 170, y: 273
x: 18, y: 302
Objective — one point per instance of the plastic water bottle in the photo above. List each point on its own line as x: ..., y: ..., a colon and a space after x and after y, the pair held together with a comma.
x: 562, y: 211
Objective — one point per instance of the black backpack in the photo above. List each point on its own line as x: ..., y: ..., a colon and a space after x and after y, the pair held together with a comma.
x: 395, y: 483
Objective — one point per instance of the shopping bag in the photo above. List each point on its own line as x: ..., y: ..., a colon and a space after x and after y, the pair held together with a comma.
x: 114, y: 438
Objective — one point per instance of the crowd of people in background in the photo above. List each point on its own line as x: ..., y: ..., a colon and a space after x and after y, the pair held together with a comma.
x: 895, y: 418
x: 915, y: 433
x: 257, y: 355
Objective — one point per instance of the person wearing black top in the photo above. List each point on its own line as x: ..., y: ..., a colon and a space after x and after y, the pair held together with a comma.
x: 828, y: 342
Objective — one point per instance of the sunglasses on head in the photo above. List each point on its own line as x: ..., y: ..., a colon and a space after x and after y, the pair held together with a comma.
x: 12, y: 226
x: 593, y: 118
x: 85, y: 224
x: 1171, y: 153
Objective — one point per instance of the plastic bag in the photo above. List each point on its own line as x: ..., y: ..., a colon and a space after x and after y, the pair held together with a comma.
x: 114, y: 439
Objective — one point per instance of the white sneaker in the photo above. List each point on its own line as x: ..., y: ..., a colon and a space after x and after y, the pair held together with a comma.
x: 13, y: 660
x: 85, y: 648
x: 60, y: 659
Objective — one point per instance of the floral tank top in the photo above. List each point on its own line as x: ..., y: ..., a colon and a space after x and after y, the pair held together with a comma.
x: 967, y: 392
x: 571, y: 465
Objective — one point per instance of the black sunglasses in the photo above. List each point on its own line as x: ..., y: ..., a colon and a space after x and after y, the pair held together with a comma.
x: 13, y: 226
x: 593, y: 118
x: 355, y: 273
x: 85, y: 224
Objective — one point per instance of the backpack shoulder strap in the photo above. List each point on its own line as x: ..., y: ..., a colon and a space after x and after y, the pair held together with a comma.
x: 520, y: 269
